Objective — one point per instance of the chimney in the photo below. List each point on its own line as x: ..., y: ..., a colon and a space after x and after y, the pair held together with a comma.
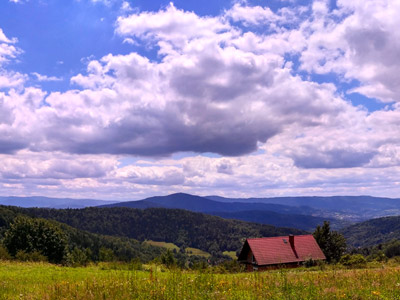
x: 291, y: 242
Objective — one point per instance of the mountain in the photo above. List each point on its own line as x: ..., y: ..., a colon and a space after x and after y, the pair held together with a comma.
x: 303, y: 222
x: 372, y: 232
x: 351, y: 208
x: 300, y: 217
x: 202, y: 204
x: 38, y: 201
x: 181, y: 227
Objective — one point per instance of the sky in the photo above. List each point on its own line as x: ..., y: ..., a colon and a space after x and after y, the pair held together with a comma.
x: 121, y: 100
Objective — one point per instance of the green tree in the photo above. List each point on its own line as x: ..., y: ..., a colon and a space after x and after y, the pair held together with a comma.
x: 392, y: 248
x: 106, y: 254
x: 168, y: 259
x: 78, y: 257
x: 332, y: 243
x: 35, y: 235
x: 355, y: 260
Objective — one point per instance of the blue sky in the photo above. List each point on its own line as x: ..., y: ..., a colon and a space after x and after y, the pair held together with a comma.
x: 117, y: 99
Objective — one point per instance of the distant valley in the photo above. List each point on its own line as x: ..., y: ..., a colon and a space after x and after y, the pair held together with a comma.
x: 177, y: 218
x: 263, y: 213
x: 296, y: 212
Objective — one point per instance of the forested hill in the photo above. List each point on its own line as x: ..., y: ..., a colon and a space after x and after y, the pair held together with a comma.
x: 372, y: 232
x: 123, y: 248
x: 263, y: 213
x: 351, y: 208
x: 183, y: 228
x: 204, y: 205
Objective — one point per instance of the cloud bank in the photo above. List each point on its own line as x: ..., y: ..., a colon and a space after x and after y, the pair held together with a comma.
x: 235, y: 91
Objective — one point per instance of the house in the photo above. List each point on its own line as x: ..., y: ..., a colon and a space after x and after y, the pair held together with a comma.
x: 273, y: 252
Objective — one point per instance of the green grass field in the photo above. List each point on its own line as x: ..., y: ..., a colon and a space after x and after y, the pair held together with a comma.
x: 46, y: 281
x: 231, y: 254
x: 171, y: 246
x: 195, y: 251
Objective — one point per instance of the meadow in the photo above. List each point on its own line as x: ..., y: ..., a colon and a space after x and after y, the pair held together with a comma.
x: 23, y: 280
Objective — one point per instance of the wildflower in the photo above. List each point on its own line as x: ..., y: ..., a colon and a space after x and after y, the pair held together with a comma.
x: 376, y: 293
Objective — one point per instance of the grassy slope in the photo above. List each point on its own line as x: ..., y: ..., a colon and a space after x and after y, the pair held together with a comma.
x: 45, y: 281
x: 169, y: 246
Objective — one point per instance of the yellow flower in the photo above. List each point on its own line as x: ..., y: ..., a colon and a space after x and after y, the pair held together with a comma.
x: 376, y: 293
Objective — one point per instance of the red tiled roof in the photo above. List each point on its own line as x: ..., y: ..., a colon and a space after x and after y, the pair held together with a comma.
x: 277, y: 250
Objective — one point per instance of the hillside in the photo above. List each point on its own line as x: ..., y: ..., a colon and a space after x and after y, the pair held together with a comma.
x: 124, y: 248
x: 351, y: 208
x: 202, y: 204
x: 346, y: 209
x: 183, y: 228
x: 263, y: 213
x: 303, y: 222
x: 372, y: 232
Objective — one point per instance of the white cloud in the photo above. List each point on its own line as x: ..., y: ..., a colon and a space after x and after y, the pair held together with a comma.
x: 251, y: 15
x: 258, y: 15
x: 216, y: 87
x: 126, y: 6
x: 11, y: 79
x: 3, y: 37
x: 40, y: 77
x: 7, y: 49
x: 172, y: 26
x: 362, y: 46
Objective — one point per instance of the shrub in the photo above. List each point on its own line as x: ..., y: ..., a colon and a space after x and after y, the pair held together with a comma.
x: 106, y: 254
x: 31, y: 256
x: 356, y: 260
x: 168, y: 259
x: 78, y: 257
x: 136, y: 264
x: 4, y: 255
x: 392, y: 249
x: 378, y: 256
x: 309, y: 263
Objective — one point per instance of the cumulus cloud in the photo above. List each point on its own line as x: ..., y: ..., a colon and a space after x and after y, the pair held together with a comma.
x: 54, y: 166
x: 7, y: 49
x: 258, y: 15
x: 203, y: 96
x: 216, y: 86
x: 173, y: 26
x: 362, y: 46
x: 40, y: 77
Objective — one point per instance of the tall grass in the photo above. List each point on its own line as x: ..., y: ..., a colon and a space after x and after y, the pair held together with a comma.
x: 46, y: 281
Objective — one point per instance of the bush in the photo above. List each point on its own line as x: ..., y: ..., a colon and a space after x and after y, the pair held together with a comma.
x: 78, y: 257
x: 392, y: 249
x: 31, y: 256
x: 378, y: 256
x: 168, y: 259
x: 4, y: 255
x: 106, y: 254
x: 136, y: 264
x: 356, y: 260
x: 308, y: 263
